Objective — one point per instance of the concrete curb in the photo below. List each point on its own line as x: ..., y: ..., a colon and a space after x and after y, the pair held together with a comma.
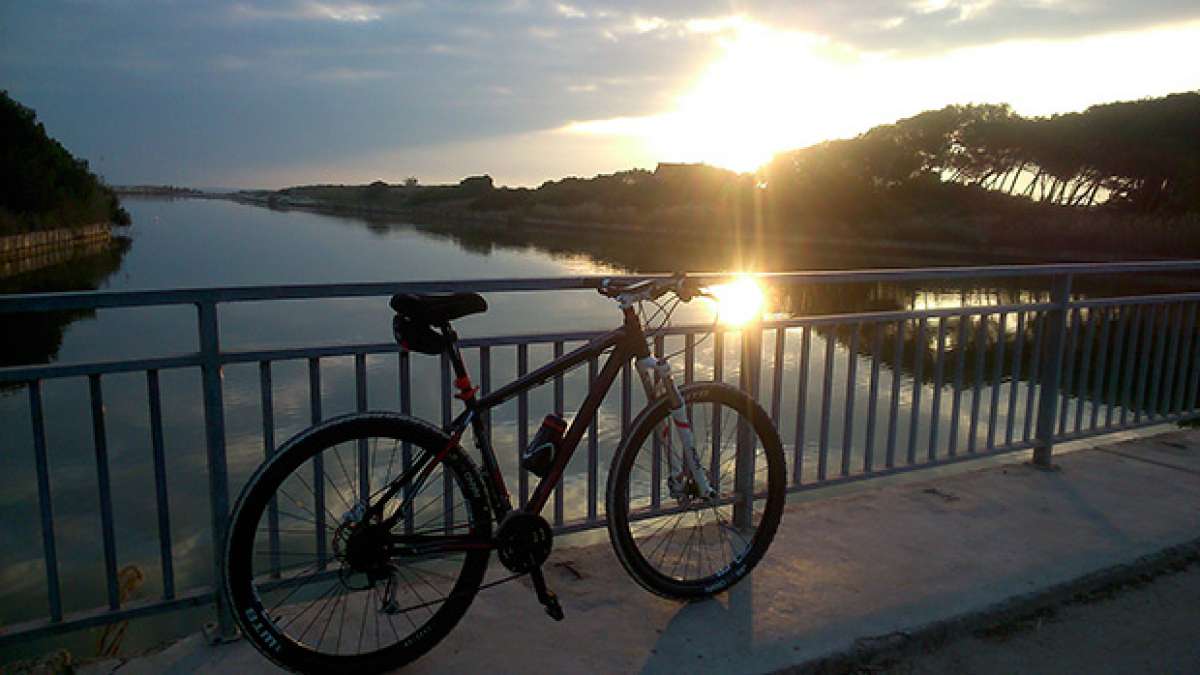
x: 868, y: 652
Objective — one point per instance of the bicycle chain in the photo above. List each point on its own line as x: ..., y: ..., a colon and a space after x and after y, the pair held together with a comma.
x: 452, y: 596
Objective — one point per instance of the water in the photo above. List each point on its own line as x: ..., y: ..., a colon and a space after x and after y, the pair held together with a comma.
x: 196, y: 243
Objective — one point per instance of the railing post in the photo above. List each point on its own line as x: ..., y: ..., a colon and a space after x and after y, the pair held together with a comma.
x: 218, y: 480
x: 1051, y: 368
x: 743, y: 472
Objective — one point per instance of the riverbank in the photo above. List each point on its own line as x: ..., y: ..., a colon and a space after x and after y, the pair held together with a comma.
x: 512, y: 223
x: 31, y: 251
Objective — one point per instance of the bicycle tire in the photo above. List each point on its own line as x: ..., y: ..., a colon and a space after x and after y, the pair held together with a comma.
x: 265, y: 494
x: 634, y: 530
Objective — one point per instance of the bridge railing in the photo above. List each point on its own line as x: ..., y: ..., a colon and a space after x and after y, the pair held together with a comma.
x: 855, y: 395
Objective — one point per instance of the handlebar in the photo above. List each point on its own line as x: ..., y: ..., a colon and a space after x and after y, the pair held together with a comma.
x: 652, y: 289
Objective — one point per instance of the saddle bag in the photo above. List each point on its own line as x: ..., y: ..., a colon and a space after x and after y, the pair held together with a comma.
x: 416, y: 336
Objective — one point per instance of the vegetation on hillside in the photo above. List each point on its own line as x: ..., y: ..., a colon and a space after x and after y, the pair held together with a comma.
x: 157, y: 190
x: 1137, y: 156
x: 42, y: 186
x: 979, y: 175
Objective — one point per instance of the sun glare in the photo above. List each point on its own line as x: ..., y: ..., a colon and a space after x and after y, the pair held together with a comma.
x: 738, y: 302
x: 751, y: 103
x: 769, y: 91
x: 772, y: 90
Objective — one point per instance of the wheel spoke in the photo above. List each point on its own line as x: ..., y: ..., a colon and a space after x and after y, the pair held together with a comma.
x: 680, y: 541
x: 315, y: 605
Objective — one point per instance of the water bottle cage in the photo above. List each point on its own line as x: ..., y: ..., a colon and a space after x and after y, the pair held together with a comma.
x: 539, y: 456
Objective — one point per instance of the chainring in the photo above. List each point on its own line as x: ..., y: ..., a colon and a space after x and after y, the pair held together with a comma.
x: 523, y: 541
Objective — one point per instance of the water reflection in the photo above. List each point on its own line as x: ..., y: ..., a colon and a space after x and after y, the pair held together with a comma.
x: 1136, y: 357
x: 37, y: 337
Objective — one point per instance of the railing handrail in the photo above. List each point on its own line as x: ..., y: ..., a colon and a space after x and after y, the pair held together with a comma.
x: 26, y: 373
x: 1062, y: 325
x: 36, y: 302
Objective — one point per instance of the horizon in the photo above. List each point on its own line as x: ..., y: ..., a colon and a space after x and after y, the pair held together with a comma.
x: 262, y: 95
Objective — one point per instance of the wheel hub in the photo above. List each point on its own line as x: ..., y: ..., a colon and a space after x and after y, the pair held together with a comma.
x: 362, y: 548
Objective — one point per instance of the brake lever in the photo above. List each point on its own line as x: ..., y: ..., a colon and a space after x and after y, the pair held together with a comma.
x: 689, y: 290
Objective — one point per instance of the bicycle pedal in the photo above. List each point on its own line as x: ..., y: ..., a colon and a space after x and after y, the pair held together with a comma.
x: 546, y: 596
x: 554, y: 610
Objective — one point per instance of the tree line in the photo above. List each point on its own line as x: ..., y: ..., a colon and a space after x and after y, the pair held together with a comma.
x: 42, y: 186
x: 978, y: 175
x: 1140, y: 156
x: 959, y: 163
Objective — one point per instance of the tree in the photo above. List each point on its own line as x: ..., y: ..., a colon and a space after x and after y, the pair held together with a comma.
x: 41, y: 184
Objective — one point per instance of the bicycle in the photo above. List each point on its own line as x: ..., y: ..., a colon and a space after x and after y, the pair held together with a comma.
x: 689, y: 513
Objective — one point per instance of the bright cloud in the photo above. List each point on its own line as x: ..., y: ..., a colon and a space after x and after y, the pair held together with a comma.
x: 774, y: 90
x: 352, y: 12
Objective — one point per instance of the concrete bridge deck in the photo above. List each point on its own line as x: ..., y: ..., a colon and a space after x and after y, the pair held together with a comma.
x: 849, y: 568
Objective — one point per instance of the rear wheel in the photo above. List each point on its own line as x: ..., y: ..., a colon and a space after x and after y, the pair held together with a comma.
x: 318, y: 586
x: 673, y: 541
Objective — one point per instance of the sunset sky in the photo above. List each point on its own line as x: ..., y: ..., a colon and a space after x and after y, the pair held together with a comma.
x: 267, y: 94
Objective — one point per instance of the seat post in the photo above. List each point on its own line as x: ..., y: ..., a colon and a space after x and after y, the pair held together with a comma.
x: 456, y: 360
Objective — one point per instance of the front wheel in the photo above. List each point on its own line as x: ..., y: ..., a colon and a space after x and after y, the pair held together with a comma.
x: 319, y: 584
x: 674, y: 541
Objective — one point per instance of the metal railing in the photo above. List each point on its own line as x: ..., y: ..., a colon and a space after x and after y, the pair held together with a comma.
x: 998, y: 378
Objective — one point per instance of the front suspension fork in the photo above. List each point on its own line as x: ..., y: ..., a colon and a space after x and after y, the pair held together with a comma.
x: 655, y: 375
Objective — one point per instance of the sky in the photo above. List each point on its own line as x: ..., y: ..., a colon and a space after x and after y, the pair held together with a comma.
x: 269, y: 93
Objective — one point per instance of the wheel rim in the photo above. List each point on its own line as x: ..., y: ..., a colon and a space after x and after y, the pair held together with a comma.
x: 332, y: 595
x: 689, y: 540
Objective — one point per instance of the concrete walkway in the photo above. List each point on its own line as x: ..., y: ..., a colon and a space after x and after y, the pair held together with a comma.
x: 1144, y: 626
x: 890, y: 557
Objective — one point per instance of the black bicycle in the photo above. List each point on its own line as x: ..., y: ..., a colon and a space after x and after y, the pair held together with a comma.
x: 362, y: 541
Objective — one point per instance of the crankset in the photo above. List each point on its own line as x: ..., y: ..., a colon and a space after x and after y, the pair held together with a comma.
x: 523, y: 544
x: 523, y: 541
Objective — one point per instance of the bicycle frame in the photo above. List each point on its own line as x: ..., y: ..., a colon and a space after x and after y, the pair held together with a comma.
x: 627, y: 342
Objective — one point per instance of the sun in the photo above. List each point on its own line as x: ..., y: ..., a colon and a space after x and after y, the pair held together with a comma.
x: 768, y: 91
x: 739, y: 301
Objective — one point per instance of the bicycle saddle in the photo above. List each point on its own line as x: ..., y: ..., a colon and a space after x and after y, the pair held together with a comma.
x: 437, y: 308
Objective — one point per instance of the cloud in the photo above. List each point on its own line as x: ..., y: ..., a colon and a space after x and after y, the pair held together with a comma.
x: 349, y: 75
x: 312, y: 10
x: 195, y: 91
x: 570, y: 11
x: 927, y: 25
x: 228, y: 62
